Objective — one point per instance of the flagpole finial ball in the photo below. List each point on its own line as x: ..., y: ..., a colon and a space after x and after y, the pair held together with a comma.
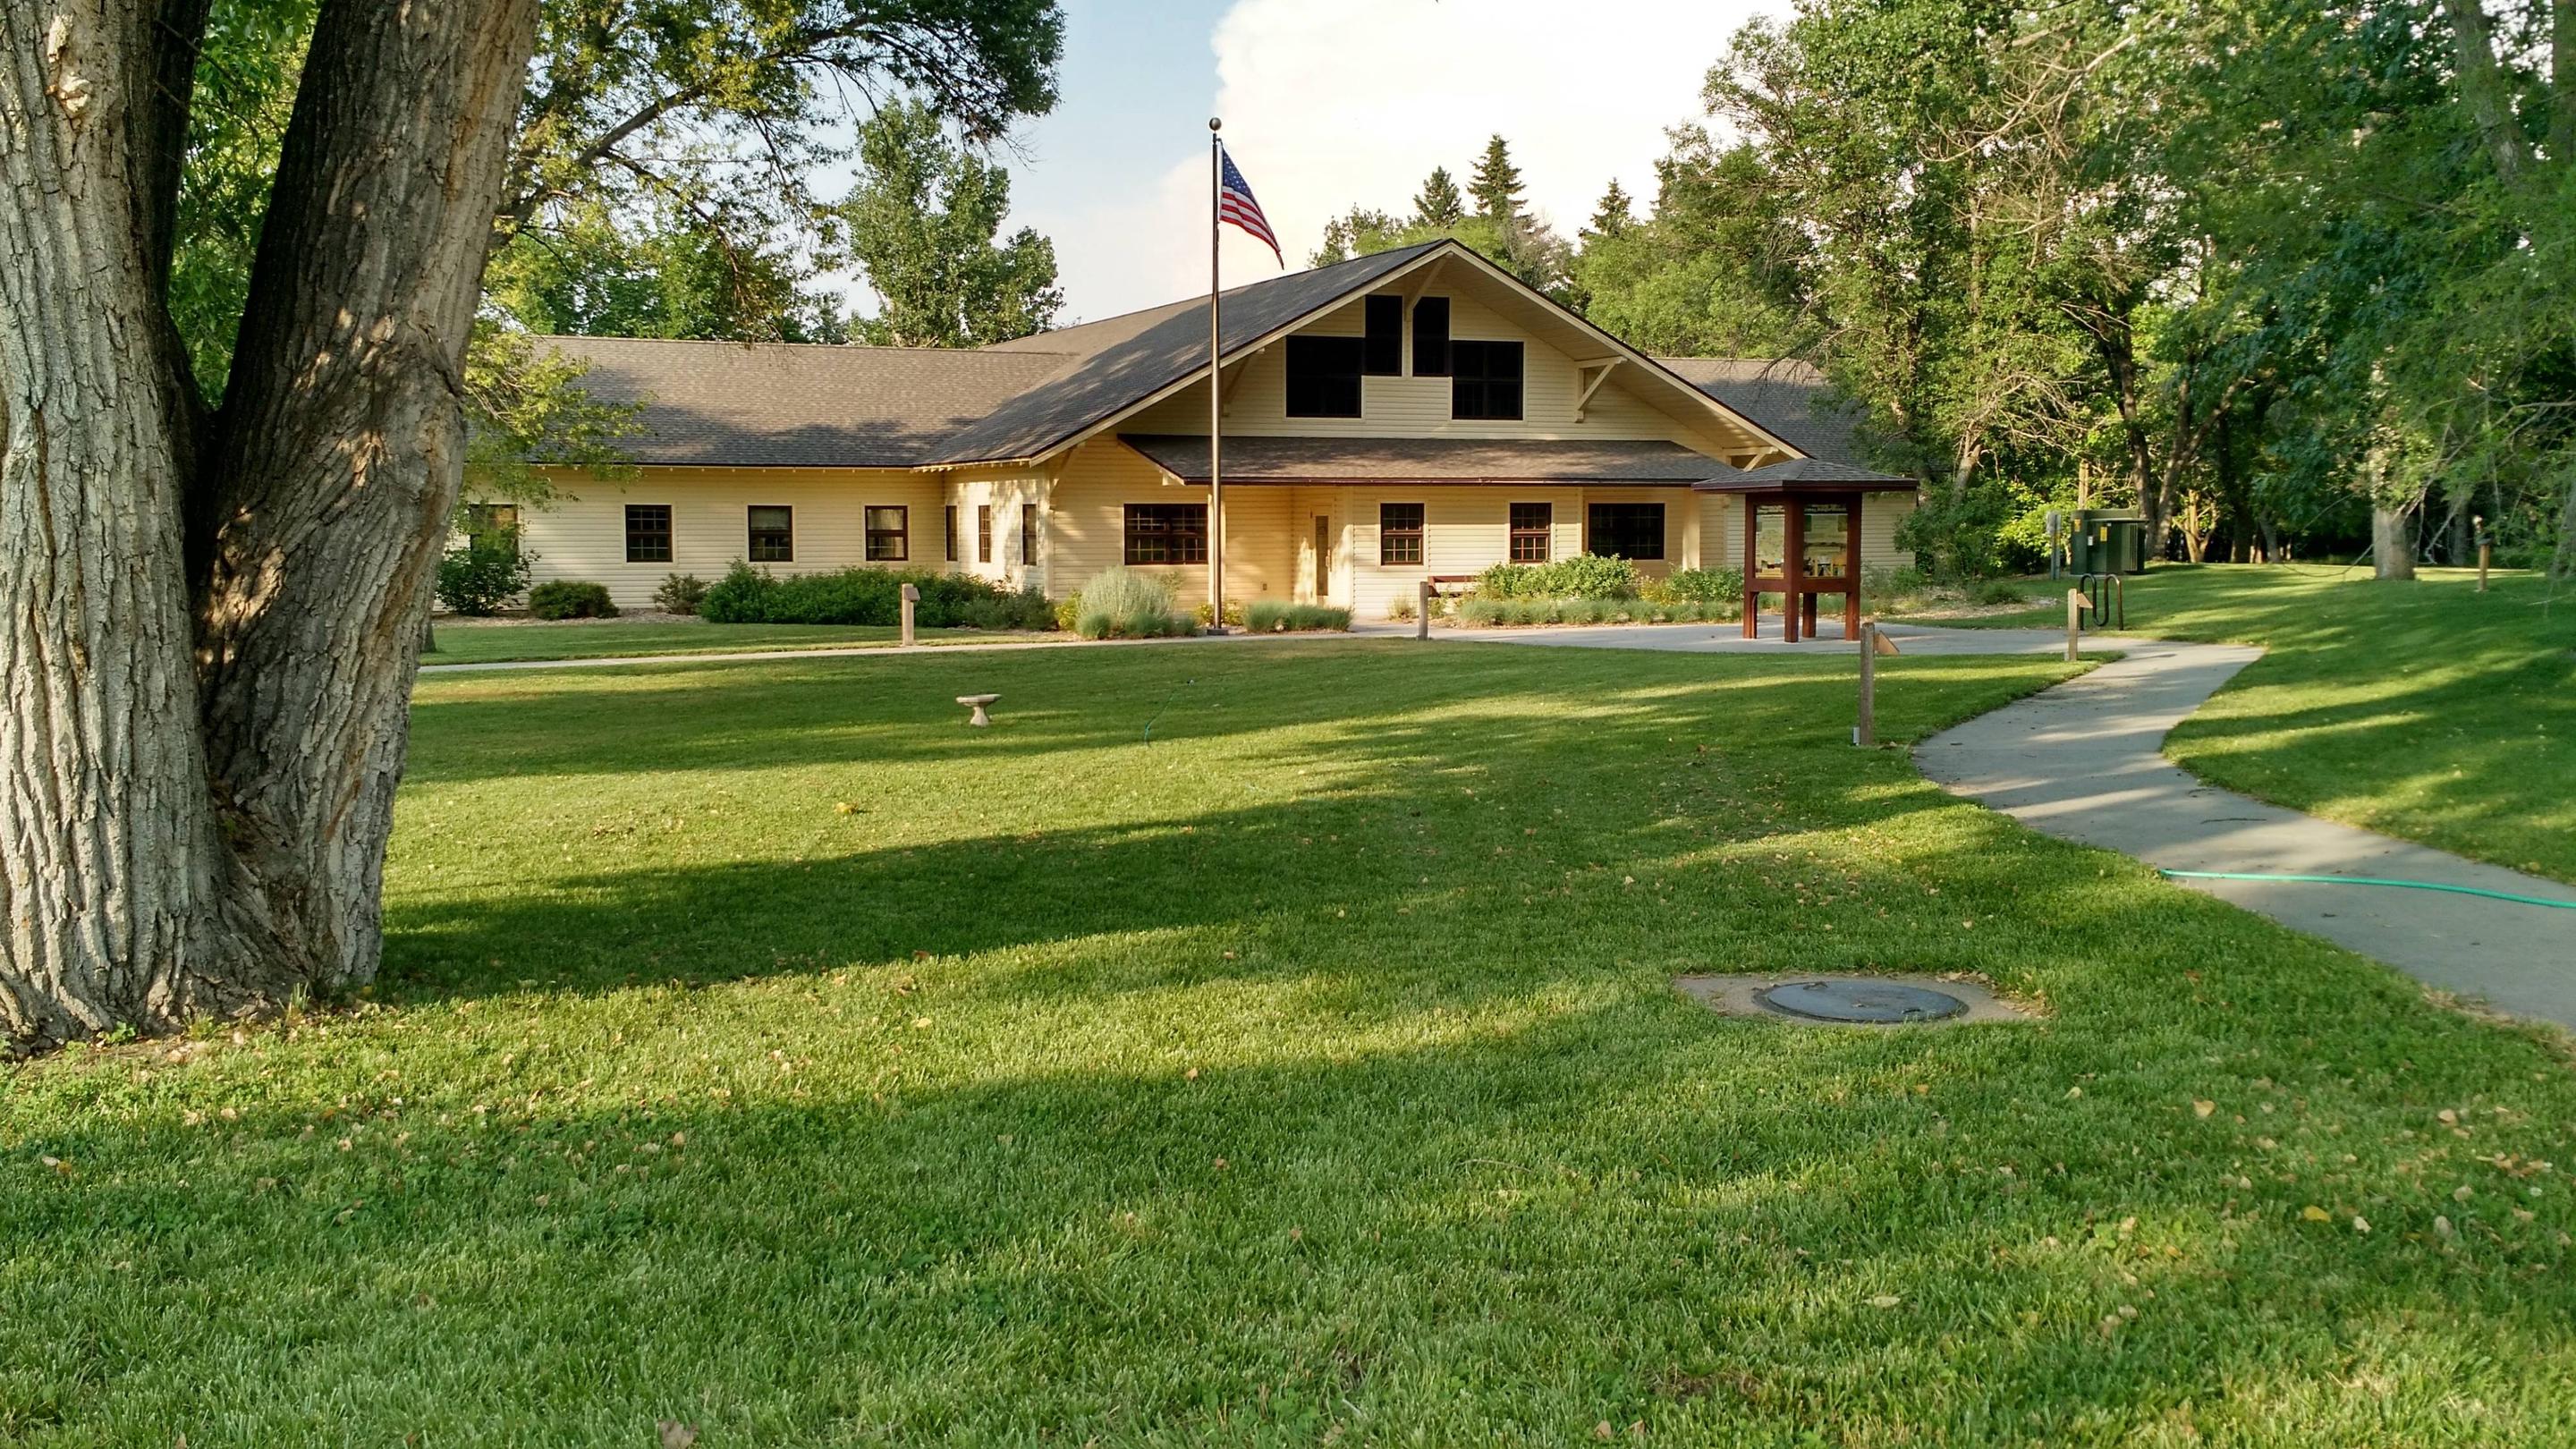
x: 1216, y: 123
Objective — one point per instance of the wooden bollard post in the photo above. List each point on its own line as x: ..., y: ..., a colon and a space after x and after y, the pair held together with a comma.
x: 1422, y: 613
x: 2076, y: 604
x: 911, y: 597
x: 1865, y: 731
x: 2486, y: 550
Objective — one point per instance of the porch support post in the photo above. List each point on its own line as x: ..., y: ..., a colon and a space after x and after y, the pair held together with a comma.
x: 1793, y: 563
x: 1752, y: 593
x: 1851, y: 567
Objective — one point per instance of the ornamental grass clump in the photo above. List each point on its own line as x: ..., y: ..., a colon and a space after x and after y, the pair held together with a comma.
x: 1121, y: 603
x: 1269, y: 616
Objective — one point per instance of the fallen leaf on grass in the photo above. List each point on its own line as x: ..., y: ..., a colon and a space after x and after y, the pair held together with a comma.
x: 2316, y: 1214
x: 1885, y: 1300
x: 676, y: 1435
x: 2203, y: 1107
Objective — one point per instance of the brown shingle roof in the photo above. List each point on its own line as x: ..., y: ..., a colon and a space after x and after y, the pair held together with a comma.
x: 1787, y: 396
x: 787, y: 405
x: 1431, y: 460
x: 1125, y: 360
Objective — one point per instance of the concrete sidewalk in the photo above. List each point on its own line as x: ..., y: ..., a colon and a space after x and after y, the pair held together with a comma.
x: 2084, y: 762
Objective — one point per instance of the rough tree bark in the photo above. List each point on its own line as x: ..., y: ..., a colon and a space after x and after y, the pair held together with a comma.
x: 213, y: 623
x: 2392, y: 550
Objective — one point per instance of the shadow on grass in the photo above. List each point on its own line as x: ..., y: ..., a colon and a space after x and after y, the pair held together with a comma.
x: 1619, y: 1210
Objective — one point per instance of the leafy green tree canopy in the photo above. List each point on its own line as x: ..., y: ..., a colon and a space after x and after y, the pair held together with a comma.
x: 923, y: 221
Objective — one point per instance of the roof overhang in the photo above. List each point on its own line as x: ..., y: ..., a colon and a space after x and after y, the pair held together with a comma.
x: 1601, y: 463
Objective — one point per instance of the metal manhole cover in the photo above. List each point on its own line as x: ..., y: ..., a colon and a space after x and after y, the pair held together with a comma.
x: 1876, y: 1003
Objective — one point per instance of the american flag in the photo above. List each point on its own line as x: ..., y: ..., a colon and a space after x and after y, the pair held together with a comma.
x: 1234, y: 203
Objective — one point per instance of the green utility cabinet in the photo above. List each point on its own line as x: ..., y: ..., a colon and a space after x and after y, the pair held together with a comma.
x: 2106, y: 541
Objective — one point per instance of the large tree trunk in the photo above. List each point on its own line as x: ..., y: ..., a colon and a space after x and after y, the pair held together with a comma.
x: 209, y: 653
x: 2392, y: 551
x: 111, y: 865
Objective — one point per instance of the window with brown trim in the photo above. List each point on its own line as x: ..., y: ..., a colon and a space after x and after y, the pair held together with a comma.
x: 1029, y: 535
x: 948, y: 530
x: 1627, y: 530
x: 1399, y: 533
x: 773, y: 533
x: 1533, y: 532
x: 889, y: 534
x: 648, y: 533
x: 983, y: 533
x: 1166, y: 533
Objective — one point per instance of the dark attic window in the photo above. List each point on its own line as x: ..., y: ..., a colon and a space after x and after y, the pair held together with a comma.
x: 1431, y: 337
x: 1324, y: 376
x: 1383, y: 355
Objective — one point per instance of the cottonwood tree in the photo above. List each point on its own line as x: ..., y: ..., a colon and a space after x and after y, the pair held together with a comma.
x: 215, y: 609
x: 925, y: 221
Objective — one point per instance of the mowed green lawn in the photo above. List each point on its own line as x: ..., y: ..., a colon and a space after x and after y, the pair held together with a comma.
x: 2425, y: 709
x: 763, y: 1050
x: 461, y: 643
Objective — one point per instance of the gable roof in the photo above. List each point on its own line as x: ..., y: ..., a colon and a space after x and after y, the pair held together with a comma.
x: 1432, y: 460
x: 1125, y: 361
x: 1790, y: 397
x: 727, y: 404
x: 798, y: 405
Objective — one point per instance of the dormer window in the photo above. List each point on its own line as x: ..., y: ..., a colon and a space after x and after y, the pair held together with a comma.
x: 1324, y: 376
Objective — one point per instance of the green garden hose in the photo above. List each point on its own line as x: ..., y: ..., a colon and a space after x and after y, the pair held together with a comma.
x: 2417, y: 885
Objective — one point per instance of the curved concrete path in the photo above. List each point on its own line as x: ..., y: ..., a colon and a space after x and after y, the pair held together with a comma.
x: 2084, y: 761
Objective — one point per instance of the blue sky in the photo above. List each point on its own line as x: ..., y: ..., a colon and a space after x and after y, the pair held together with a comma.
x: 1330, y: 103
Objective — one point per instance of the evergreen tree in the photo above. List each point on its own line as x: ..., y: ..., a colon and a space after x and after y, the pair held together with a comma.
x: 1497, y: 184
x: 1613, y: 216
x: 1438, y: 204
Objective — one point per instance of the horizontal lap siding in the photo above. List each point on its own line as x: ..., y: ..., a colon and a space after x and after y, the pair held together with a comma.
x: 581, y: 535
x: 1089, y: 527
x: 1003, y: 490
x: 1467, y: 529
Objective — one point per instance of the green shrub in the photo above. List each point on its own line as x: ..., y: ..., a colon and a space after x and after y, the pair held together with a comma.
x: 1400, y: 608
x: 1270, y: 616
x: 1580, y: 576
x: 1027, y: 609
x: 1959, y: 537
x: 1998, y: 591
x: 1121, y: 603
x: 680, y: 594
x: 1206, y: 616
x: 486, y: 573
x: 570, y: 599
x: 1704, y: 586
x: 1068, y: 612
x: 746, y: 595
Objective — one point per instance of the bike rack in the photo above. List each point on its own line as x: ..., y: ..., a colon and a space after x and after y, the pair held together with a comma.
x: 2106, y: 590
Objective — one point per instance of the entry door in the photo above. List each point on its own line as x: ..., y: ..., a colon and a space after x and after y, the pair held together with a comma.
x: 1323, y: 558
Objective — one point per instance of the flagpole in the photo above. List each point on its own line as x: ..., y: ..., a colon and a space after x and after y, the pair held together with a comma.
x: 1216, y: 394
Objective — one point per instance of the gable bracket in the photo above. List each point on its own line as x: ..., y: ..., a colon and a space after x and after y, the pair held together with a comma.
x: 1596, y: 371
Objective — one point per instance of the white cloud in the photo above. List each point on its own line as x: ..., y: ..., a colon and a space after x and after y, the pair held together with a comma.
x: 1335, y: 103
